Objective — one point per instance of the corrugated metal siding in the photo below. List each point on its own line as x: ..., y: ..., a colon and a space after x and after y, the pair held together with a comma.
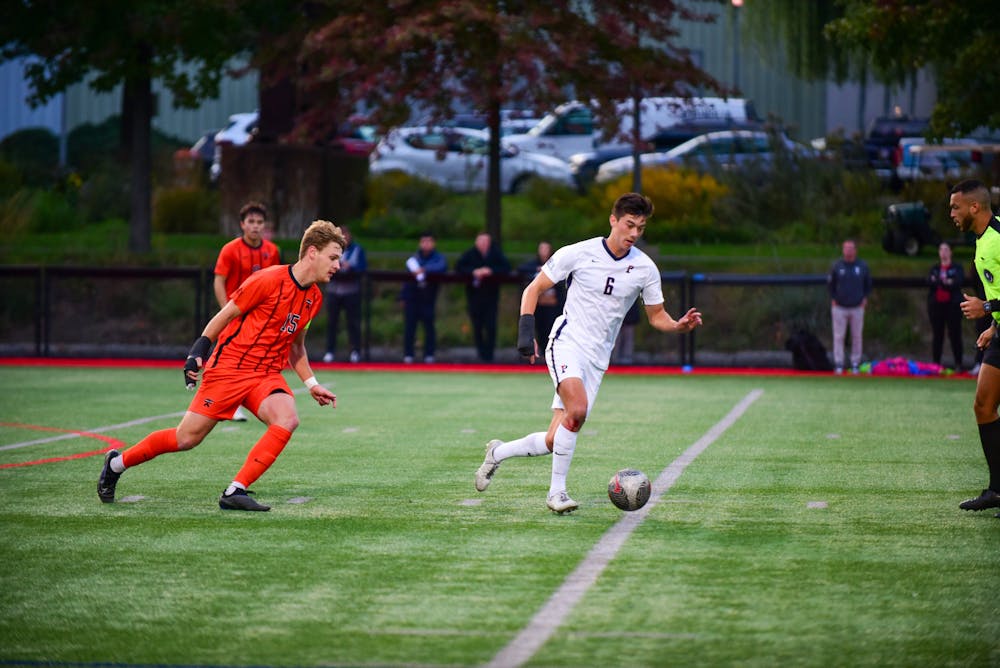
x: 235, y: 95
x: 800, y: 105
x: 15, y: 113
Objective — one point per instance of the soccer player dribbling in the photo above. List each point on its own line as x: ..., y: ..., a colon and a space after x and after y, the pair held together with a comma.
x: 609, y: 274
x: 260, y: 330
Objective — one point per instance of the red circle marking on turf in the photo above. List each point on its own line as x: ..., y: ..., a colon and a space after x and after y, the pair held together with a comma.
x: 112, y: 444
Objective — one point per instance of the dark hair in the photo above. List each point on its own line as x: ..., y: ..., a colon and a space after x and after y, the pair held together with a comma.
x: 253, y: 207
x: 974, y: 190
x: 632, y: 203
x: 425, y: 233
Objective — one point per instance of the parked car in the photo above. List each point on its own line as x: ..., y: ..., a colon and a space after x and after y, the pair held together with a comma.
x: 728, y: 148
x: 456, y: 158
x: 512, y: 121
x: 883, y: 137
x: 201, y: 153
x: 571, y: 127
x: 237, y: 132
x: 355, y: 136
x: 952, y: 159
x: 585, y: 165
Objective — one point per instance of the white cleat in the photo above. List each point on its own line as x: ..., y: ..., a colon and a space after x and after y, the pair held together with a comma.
x: 484, y: 474
x: 240, y: 415
x: 561, y: 503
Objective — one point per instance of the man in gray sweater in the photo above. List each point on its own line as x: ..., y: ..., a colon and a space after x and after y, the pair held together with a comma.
x: 850, y: 283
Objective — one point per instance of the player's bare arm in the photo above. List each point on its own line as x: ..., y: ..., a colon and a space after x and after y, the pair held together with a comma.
x: 219, y: 287
x: 199, y: 351
x: 661, y: 320
x: 298, y: 359
x: 526, y: 344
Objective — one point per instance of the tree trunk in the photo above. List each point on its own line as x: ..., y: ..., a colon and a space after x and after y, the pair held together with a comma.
x: 137, y: 98
x: 636, y: 139
x: 493, y: 194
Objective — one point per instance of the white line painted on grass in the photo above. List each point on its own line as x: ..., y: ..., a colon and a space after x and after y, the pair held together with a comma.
x: 551, y: 616
x: 96, y: 430
x: 101, y: 430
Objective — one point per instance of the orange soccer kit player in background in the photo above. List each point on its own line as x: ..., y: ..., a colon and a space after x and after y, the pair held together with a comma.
x: 241, y: 257
x: 259, y: 330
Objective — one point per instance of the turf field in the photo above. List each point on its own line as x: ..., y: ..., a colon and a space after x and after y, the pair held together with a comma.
x: 796, y: 521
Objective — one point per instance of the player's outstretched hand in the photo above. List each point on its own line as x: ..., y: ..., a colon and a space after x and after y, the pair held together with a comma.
x: 689, y: 321
x: 323, y: 396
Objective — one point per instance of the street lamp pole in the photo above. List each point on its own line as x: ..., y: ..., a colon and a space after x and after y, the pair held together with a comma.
x: 736, y: 5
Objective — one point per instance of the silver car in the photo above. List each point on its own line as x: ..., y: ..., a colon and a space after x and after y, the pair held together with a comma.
x: 727, y: 148
x: 457, y: 158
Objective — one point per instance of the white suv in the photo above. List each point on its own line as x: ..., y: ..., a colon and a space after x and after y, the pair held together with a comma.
x: 237, y: 132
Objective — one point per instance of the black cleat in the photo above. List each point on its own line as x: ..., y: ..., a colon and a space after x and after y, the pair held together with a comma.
x: 239, y: 500
x: 988, y: 499
x: 106, y: 483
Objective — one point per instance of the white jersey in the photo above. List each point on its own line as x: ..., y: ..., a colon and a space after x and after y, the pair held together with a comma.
x: 602, y: 290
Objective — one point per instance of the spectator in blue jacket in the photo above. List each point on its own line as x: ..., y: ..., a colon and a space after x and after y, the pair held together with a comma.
x: 420, y: 297
x: 849, y: 283
x: 343, y: 295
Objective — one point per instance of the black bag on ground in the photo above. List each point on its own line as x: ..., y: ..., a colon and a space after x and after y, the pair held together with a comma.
x: 808, y: 353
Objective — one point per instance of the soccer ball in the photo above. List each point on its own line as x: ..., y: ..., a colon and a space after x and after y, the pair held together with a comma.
x: 629, y: 489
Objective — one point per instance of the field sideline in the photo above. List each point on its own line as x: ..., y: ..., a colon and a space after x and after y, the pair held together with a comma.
x: 797, y: 520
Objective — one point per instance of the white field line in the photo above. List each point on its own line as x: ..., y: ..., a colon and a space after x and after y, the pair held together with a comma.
x: 101, y: 430
x: 551, y: 615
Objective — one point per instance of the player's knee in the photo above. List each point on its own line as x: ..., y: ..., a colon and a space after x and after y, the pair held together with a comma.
x: 985, y: 411
x: 289, y: 422
x: 574, y: 420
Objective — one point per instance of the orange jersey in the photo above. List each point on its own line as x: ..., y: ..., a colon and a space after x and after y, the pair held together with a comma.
x: 238, y: 259
x: 274, y: 309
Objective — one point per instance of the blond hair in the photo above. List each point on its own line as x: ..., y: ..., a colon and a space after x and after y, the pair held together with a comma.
x: 319, y: 234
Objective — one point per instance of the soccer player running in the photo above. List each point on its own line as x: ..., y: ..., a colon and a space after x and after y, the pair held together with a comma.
x: 260, y: 329
x: 971, y: 212
x: 244, y: 255
x: 608, y: 274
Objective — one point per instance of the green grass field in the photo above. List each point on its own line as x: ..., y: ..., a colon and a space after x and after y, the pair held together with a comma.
x: 820, y: 529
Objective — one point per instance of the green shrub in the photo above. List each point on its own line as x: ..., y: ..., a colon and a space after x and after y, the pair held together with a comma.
x: 37, y: 211
x: 10, y: 178
x: 186, y: 211
x: 34, y: 152
x: 104, y: 193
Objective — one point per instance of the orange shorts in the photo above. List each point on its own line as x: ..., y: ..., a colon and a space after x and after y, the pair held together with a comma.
x: 221, y: 392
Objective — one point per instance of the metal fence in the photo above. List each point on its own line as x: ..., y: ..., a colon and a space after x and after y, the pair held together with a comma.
x: 154, y: 312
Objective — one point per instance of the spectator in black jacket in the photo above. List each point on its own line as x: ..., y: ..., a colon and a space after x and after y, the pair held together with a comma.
x: 943, y: 305
x: 482, y: 264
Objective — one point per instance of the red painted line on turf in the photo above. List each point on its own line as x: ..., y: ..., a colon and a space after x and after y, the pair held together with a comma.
x: 444, y: 367
x: 112, y: 444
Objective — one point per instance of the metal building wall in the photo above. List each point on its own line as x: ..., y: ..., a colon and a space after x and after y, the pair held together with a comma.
x: 235, y: 95
x: 800, y: 105
x: 15, y: 112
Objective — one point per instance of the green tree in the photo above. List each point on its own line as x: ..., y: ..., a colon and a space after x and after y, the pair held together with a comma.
x: 486, y: 54
x: 957, y: 40
x: 106, y: 43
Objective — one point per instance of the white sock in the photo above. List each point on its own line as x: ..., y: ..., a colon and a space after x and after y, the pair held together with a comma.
x: 233, y: 487
x: 532, y: 445
x: 562, y: 454
x: 117, y: 464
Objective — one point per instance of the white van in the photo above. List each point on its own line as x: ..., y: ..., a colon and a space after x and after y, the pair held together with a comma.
x: 571, y: 129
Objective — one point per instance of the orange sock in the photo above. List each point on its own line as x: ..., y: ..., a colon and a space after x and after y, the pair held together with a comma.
x: 263, y: 454
x: 153, y: 445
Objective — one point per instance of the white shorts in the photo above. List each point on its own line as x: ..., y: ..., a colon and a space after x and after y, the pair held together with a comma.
x: 567, y: 361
